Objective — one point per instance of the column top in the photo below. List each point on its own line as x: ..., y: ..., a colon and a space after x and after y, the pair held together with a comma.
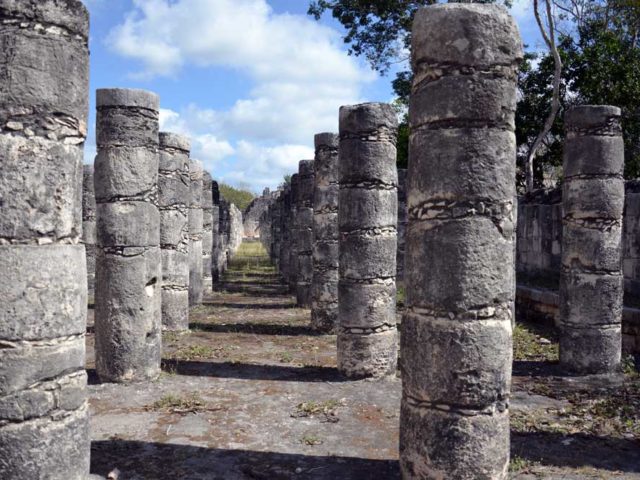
x: 591, y: 116
x: 367, y: 117
x: 465, y: 34
x: 174, y: 140
x: 326, y: 139
x: 306, y: 168
x: 127, y: 97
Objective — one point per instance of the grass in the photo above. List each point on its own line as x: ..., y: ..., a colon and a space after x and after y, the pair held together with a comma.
x: 189, y: 403
x: 326, y: 409
x: 311, y: 439
x: 532, y: 342
x: 520, y: 465
x: 193, y: 352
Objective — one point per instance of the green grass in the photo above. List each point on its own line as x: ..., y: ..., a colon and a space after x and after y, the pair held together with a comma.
x: 531, y: 342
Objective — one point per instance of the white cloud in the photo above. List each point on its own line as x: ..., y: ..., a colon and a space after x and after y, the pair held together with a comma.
x: 299, y: 71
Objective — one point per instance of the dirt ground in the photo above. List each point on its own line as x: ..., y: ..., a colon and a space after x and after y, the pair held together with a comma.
x: 251, y: 392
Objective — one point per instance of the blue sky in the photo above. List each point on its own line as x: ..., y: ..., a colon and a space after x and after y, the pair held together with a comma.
x: 250, y: 81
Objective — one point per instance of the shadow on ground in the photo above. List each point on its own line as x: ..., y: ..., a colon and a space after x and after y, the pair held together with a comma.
x: 256, y: 329
x: 561, y: 450
x: 153, y: 460
x: 247, y: 371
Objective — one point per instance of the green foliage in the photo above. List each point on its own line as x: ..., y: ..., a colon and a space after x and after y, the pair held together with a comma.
x: 599, y: 48
x: 240, y: 197
x: 380, y: 31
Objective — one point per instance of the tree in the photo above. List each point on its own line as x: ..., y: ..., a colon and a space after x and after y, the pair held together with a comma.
x: 380, y: 31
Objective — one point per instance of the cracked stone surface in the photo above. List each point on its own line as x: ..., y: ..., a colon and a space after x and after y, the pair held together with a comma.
x: 367, y: 219
x: 43, y: 287
x: 128, y: 261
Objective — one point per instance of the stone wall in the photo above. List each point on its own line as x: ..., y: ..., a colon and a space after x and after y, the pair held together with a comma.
x: 540, y: 238
x: 253, y: 213
x: 538, y: 257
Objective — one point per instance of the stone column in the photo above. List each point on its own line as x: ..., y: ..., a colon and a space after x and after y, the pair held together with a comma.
x: 225, y: 226
x: 402, y: 222
x: 44, y: 428
x: 591, y: 282
x: 285, y: 258
x: 367, y: 336
x: 89, y: 228
x: 324, y: 286
x: 215, y: 233
x: 293, y: 232
x: 195, y: 234
x: 207, y: 229
x: 128, y: 263
x: 173, y: 201
x: 460, y: 282
x: 304, y: 251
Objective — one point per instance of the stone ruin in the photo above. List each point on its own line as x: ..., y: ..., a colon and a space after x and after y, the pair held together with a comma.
x: 367, y: 220
x: 128, y: 264
x: 324, y: 282
x: 255, y: 212
x: 146, y: 232
x: 44, y: 414
x: 174, y: 181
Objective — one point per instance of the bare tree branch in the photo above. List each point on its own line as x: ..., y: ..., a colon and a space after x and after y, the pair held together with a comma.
x: 550, y: 39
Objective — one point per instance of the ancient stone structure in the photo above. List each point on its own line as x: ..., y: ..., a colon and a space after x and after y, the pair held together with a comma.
x: 236, y: 230
x: 403, y: 218
x: 304, y: 232
x: 215, y: 233
x: 285, y: 242
x: 367, y: 336
x: 293, y: 232
x: 253, y: 213
x: 456, y: 332
x: 195, y: 234
x: 89, y: 228
x: 591, y: 282
x: 128, y: 262
x: 207, y: 229
x: 173, y: 201
x: 275, y: 214
x: 44, y: 428
x: 224, y: 233
x: 324, y: 285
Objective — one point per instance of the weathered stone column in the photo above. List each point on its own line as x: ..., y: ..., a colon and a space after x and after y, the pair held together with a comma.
x: 128, y: 263
x: 207, y: 229
x: 304, y: 217
x: 215, y: 233
x: 293, y: 229
x: 324, y: 286
x: 89, y: 228
x: 591, y: 282
x: 285, y: 243
x: 456, y: 332
x: 402, y: 222
x: 44, y: 428
x: 173, y: 201
x: 225, y: 227
x: 195, y: 234
x: 367, y: 336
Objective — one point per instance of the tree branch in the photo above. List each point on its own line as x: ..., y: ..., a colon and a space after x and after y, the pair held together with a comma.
x: 550, y: 39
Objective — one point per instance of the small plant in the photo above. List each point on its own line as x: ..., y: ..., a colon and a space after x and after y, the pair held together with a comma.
x: 326, y: 409
x: 311, y: 440
x: 629, y: 365
x: 198, y: 351
x: 286, y: 357
x: 519, y: 464
x: 190, y: 403
x: 529, y: 345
